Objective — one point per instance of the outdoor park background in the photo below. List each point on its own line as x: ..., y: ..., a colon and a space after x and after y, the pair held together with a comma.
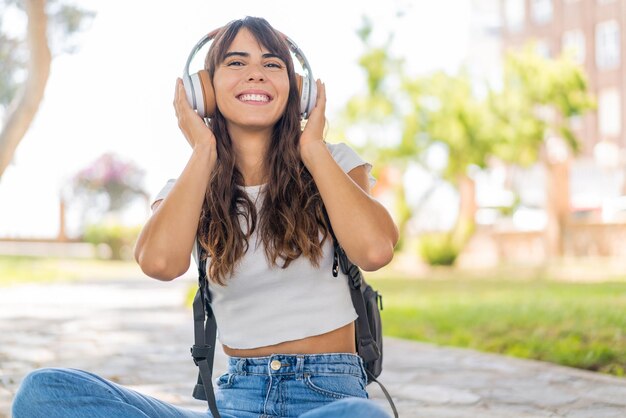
x: 508, y: 200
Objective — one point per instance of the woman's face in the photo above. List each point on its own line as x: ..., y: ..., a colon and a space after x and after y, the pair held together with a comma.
x: 251, y: 84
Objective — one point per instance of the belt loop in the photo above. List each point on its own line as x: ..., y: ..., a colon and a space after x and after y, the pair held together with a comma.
x: 299, y: 367
x: 241, y: 366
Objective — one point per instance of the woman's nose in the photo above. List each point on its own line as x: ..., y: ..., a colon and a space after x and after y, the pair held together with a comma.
x: 256, y: 74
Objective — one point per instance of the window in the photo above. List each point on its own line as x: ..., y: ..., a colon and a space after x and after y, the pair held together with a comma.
x: 541, y: 11
x: 574, y: 42
x: 514, y: 14
x: 609, y: 112
x: 607, y: 45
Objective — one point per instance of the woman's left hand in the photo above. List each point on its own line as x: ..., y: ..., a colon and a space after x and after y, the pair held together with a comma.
x: 314, y: 130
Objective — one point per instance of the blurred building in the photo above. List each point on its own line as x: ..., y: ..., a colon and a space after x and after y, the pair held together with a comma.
x: 484, y: 61
x: 593, y: 31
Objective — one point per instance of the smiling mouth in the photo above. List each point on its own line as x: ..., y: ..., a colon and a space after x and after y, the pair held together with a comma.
x: 255, y: 98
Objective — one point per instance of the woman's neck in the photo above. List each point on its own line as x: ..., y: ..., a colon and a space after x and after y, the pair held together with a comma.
x: 250, y: 149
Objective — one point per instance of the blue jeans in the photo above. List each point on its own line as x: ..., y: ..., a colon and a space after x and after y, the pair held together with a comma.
x: 307, y: 386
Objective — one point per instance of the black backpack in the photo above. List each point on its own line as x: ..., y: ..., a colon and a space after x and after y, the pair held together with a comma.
x: 369, y: 336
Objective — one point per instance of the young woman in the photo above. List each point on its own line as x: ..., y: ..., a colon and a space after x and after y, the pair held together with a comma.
x: 253, y: 194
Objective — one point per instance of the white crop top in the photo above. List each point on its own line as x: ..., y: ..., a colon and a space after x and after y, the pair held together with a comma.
x: 263, y: 305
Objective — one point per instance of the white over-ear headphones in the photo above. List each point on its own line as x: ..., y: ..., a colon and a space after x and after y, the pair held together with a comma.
x: 199, y: 89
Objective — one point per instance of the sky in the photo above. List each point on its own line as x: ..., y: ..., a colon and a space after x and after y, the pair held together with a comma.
x: 115, y: 93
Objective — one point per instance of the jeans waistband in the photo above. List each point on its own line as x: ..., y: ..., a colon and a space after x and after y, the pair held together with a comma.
x: 298, y: 364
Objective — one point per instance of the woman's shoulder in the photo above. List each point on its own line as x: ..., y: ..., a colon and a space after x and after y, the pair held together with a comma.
x: 347, y: 158
x: 164, y: 191
x: 339, y: 148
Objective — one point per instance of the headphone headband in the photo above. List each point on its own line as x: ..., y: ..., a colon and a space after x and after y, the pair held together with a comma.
x: 197, y: 91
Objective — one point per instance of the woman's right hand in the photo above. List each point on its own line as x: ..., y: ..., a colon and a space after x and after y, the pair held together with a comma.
x: 190, y: 123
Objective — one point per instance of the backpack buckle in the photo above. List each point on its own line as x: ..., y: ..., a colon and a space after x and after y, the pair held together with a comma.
x: 199, y: 352
x: 368, y: 349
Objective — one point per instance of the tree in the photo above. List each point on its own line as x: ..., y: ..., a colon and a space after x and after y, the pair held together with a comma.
x: 463, y: 123
x: 106, y: 187
x: 533, y: 108
x: 534, y: 112
x: 377, y: 112
x: 21, y: 99
x: 421, y: 111
x: 111, y: 180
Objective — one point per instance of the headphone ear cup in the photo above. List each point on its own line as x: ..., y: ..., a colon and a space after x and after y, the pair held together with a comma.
x: 200, y: 93
x: 207, y: 93
x: 299, y: 84
x: 299, y: 81
x: 188, y: 85
x: 312, y: 98
x: 307, y: 92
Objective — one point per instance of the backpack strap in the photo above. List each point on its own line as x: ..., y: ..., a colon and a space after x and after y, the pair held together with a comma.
x: 203, y: 350
x: 205, y: 332
x: 387, y: 395
x: 366, y: 346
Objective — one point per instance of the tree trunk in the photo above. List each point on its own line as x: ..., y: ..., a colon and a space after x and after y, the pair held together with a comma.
x: 557, y: 206
x: 23, y: 107
x: 467, y: 210
x: 62, y: 236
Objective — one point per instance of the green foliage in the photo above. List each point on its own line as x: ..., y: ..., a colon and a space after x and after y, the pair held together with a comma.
x: 64, y: 21
x: 12, y: 62
x: 573, y: 324
x: 438, y: 249
x: 455, y: 117
x: 420, y: 111
x: 377, y: 110
x: 400, y: 116
x: 119, y: 238
x: 539, y: 97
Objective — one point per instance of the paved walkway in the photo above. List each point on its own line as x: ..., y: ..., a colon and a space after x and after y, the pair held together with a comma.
x: 137, y: 332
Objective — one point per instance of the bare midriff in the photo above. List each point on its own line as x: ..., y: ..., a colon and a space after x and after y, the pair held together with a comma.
x: 340, y: 340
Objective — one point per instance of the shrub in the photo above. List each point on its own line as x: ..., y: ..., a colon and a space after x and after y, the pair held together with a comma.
x: 119, y: 238
x: 438, y: 249
x: 119, y: 180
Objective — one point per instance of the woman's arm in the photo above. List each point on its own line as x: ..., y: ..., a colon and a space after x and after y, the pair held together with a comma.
x: 361, y: 224
x: 164, y: 245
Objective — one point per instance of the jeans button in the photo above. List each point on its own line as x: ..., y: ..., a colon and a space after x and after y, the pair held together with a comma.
x: 275, y: 365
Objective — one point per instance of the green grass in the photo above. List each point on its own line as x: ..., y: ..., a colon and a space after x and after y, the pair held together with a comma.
x: 23, y: 269
x: 574, y: 324
x: 19, y: 269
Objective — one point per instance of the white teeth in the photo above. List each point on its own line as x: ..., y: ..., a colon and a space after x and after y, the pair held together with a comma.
x: 254, y: 98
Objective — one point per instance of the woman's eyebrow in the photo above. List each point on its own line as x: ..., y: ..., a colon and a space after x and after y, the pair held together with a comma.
x: 247, y: 55
x: 236, y: 53
x: 270, y: 55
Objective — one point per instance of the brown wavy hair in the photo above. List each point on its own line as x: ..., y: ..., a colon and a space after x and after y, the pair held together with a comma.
x: 291, y: 221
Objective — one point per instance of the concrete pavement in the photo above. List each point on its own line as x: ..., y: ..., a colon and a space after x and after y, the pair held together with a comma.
x: 137, y: 332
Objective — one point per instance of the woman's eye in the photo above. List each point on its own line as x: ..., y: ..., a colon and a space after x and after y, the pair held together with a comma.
x: 273, y: 65
x: 235, y: 64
